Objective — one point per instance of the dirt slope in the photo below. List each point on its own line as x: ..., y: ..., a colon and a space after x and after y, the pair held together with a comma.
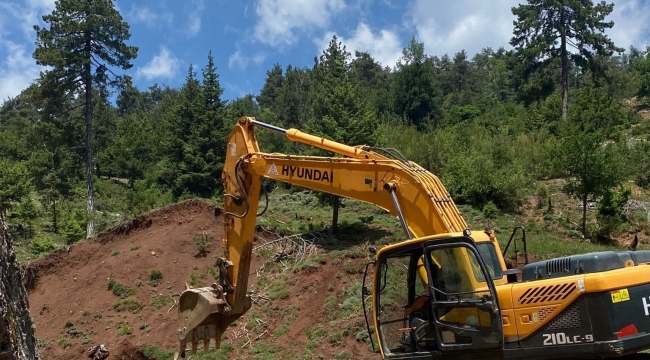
x: 74, y: 309
x: 74, y: 286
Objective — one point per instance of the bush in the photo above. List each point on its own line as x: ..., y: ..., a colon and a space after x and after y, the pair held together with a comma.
x: 40, y: 246
x: 609, y: 215
x: 204, y: 243
x: 74, y: 228
x: 490, y: 211
x: 120, y: 290
x: 155, y: 274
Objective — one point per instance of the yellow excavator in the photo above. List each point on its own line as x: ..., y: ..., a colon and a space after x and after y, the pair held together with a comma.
x: 594, y: 305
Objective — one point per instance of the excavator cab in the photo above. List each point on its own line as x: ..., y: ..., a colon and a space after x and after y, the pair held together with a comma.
x: 461, y: 313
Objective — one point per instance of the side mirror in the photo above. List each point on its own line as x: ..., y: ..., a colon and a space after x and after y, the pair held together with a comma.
x: 372, y: 250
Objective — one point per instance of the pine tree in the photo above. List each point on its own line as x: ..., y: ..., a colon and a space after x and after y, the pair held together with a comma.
x: 414, y: 90
x: 576, y: 24
x: 267, y: 99
x: 338, y: 111
x: 85, y: 39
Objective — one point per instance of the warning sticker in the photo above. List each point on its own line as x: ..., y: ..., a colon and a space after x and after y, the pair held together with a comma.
x: 273, y: 170
x: 620, y: 295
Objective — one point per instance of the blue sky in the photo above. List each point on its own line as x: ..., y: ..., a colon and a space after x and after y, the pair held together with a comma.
x: 247, y: 37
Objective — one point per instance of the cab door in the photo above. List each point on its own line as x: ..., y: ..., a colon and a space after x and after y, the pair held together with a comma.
x: 465, y: 308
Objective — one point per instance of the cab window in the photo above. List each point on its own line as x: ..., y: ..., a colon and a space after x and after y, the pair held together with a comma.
x: 491, y: 259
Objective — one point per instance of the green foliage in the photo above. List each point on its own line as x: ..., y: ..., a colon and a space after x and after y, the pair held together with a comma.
x: 490, y: 211
x: 130, y: 305
x: 203, y: 242
x: 159, y: 301
x: 277, y: 290
x: 610, y: 215
x: 15, y: 183
x: 640, y: 159
x: 41, y: 245
x: 414, y: 88
x: 120, y: 290
x: 74, y: 228
x: 549, y: 32
x: 593, y: 168
x: 64, y: 343
x: 642, y: 67
x: 153, y: 352
x: 155, y: 274
x: 123, y: 329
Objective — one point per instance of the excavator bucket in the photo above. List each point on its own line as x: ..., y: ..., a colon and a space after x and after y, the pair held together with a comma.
x: 204, y: 314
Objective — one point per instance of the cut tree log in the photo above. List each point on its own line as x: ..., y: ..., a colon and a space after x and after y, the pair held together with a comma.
x: 17, y: 331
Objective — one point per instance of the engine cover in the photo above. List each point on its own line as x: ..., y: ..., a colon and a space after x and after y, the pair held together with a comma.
x: 582, y: 264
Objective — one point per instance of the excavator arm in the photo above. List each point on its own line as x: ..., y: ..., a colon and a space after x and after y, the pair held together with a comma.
x: 404, y: 189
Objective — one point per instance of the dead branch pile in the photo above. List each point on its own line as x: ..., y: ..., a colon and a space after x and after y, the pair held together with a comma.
x: 297, y: 247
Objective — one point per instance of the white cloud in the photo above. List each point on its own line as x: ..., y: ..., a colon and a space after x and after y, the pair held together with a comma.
x: 162, y: 65
x: 385, y: 46
x: 631, y: 23
x: 17, y: 71
x: 237, y: 60
x: 278, y: 20
x: 448, y: 27
x: 47, y: 5
x: 195, y: 18
x: 149, y: 17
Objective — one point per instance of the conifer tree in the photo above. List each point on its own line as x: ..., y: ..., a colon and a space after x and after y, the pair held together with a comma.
x: 578, y: 26
x: 84, y: 40
x: 338, y: 111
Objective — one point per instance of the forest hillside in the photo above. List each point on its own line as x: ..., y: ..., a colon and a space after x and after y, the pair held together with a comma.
x: 547, y: 133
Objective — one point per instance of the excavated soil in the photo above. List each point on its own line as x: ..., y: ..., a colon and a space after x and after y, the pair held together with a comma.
x: 70, y: 299
x: 72, y: 286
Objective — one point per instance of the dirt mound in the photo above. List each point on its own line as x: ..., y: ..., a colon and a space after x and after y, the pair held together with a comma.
x: 101, y: 291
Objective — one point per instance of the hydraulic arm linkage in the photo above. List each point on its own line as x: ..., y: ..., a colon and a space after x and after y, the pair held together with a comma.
x: 406, y: 190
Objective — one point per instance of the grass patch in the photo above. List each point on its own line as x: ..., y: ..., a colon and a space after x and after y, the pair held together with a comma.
x: 64, y: 343
x: 281, y: 330
x: 154, y: 352
x: 310, y: 264
x: 124, y: 329
x: 278, y: 290
x: 120, y: 290
x: 155, y: 274
x: 161, y: 300
x: 130, y: 305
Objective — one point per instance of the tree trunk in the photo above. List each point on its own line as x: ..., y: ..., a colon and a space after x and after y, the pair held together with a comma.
x: 584, y: 216
x: 90, y: 228
x: 56, y: 227
x: 335, y: 214
x: 17, y: 331
x: 565, y: 66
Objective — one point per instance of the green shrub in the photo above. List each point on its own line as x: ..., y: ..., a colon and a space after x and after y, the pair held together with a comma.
x: 204, y: 243
x: 609, y: 214
x: 42, y: 245
x: 490, y: 211
x: 155, y: 274
x: 120, y: 290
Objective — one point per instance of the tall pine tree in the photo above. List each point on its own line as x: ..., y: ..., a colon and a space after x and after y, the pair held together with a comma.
x: 338, y: 111
x: 84, y: 40
x: 577, y: 25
